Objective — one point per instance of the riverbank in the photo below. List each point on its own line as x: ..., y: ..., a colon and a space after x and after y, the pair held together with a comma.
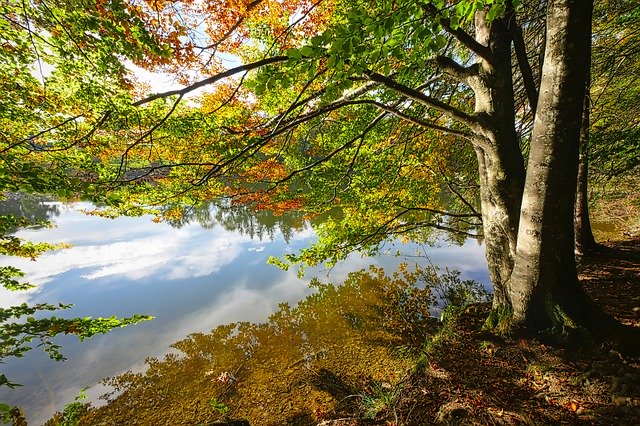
x: 475, y: 377
x: 368, y: 373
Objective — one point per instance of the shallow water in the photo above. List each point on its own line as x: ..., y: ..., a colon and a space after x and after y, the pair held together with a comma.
x: 192, y: 278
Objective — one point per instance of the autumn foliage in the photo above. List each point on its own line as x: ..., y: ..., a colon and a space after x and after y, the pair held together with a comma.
x: 198, y: 32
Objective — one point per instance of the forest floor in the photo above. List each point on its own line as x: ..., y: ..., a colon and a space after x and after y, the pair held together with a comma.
x: 475, y: 377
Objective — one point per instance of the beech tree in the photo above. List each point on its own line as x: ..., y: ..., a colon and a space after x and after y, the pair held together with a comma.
x: 369, y: 98
x: 544, y: 284
x: 608, y: 146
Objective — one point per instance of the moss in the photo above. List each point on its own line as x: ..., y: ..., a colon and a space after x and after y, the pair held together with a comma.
x: 499, y: 320
x: 421, y: 364
x: 567, y: 331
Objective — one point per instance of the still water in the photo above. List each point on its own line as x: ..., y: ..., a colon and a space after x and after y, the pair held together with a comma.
x: 192, y: 276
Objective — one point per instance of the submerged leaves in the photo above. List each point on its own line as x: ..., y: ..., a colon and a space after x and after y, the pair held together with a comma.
x: 304, y: 363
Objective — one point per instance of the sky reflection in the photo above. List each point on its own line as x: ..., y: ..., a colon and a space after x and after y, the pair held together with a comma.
x: 190, y: 278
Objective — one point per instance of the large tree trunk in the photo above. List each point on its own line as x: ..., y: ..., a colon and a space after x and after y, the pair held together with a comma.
x: 544, y: 288
x: 500, y: 162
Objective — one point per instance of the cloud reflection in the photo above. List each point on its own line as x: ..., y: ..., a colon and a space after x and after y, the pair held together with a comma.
x: 150, y: 250
x: 235, y: 285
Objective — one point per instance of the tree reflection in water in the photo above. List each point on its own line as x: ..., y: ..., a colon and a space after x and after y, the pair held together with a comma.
x: 258, y: 224
x: 304, y: 363
x: 35, y: 208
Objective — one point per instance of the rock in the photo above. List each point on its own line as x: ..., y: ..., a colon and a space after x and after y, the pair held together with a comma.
x: 452, y: 413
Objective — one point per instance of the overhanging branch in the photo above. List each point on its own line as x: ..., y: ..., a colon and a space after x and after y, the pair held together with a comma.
x: 420, y: 97
x: 454, y: 69
x: 212, y: 79
x: 415, y: 120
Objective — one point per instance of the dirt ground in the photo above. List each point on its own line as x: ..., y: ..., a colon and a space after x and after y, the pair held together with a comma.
x: 611, y: 276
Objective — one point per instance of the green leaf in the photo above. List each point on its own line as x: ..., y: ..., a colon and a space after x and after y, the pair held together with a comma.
x: 259, y: 89
x: 495, y: 11
x: 306, y: 51
x: 454, y: 22
x: 294, y: 53
x: 272, y: 83
x: 285, y: 81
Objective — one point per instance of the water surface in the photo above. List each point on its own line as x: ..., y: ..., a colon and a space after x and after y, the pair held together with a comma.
x: 192, y: 278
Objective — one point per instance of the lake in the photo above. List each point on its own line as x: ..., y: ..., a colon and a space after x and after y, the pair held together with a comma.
x: 191, y: 277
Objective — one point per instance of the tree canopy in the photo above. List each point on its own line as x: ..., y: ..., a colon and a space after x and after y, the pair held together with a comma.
x: 615, y: 66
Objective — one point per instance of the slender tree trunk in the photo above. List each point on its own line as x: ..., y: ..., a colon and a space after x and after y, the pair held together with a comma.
x: 584, y: 240
x: 500, y: 202
x: 544, y: 287
x: 500, y: 162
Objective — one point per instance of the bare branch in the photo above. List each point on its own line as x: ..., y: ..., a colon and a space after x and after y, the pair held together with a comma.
x: 333, y: 153
x: 339, y: 103
x: 400, y: 114
x: 459, y: 195
x: 402, y: 228
x: 442, y: 213
x: 147, y: 133
x: 454, y: 69
x: 31, y: 138
x: 212, y: 79
x: 462, y: 36
x: 420, y: 97
x: 523, y: 61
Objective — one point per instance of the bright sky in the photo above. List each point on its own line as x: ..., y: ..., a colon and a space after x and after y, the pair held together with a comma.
x: 163, y: 82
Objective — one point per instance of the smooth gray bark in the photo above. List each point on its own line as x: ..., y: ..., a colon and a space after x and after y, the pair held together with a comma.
x: 500, y: 162
x: 544, y: 288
